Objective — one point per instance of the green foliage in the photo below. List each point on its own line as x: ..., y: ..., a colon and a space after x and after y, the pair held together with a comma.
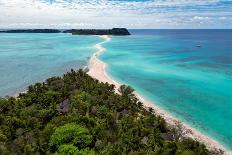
x: 96, y: 121
x: 126, y: 90
x: 69, y: 149
x: 187, y: 152
x: 28, y: 150
x: 71, y: 133
x: 2, y: 137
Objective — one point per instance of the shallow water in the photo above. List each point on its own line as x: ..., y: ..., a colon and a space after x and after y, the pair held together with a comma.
x: 29, y: 58
x: 186, y: 72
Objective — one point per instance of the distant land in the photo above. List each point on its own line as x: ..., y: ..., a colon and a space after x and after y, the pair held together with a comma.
x: 31, y: 31
x: 114, y: 31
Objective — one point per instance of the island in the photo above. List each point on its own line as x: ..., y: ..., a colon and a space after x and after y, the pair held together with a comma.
x: 86, y: 112
x: 31, y: 31
x: 77, y: 114
x: 113, y: 31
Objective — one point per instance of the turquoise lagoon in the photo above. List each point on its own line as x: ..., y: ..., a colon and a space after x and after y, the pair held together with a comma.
x: 29, y: 58
x: 186, y: 72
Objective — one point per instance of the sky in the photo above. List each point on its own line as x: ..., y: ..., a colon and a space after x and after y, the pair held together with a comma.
x: 133, y: 14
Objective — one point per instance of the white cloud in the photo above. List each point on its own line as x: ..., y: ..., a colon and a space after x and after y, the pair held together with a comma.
x: 222, y: 18
x: 200, y: 18
x: 112, y: 13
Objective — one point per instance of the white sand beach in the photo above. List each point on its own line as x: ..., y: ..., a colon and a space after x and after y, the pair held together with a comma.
x: 97, y: 69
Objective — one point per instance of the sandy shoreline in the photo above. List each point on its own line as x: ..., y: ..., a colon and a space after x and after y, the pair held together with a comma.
x: 97, y: 69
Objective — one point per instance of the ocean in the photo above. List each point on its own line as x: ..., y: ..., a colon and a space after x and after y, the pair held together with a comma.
x: 29, y: 58
x: 186, y: 72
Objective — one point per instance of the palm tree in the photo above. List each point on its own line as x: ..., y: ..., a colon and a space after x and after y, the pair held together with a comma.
x: 126, y: 91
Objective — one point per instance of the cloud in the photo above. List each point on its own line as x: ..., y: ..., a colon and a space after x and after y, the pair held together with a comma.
x: 200, y: 18
x: 115, y: 13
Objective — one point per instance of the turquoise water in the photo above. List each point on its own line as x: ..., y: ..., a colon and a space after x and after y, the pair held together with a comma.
x: 186, y: 72
x: 29, y: 58
x: 167, y: 66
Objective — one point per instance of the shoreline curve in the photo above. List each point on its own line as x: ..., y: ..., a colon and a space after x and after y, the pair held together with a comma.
x: 97, y: 70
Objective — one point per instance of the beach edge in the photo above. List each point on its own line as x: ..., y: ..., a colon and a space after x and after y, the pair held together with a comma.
x: 97, y: 70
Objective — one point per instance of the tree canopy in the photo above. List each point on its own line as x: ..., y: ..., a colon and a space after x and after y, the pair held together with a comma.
x: 77, y: 115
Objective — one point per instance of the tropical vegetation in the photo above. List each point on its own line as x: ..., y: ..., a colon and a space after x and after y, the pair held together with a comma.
x: 78, y: 115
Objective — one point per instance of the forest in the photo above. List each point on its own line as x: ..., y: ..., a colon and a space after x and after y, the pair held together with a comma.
x: 78, y: 115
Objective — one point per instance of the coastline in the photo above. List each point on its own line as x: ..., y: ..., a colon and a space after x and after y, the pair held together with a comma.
x: 97, y: 69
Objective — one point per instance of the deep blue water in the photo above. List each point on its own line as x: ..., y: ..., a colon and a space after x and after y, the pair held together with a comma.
x: 186, y: 72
